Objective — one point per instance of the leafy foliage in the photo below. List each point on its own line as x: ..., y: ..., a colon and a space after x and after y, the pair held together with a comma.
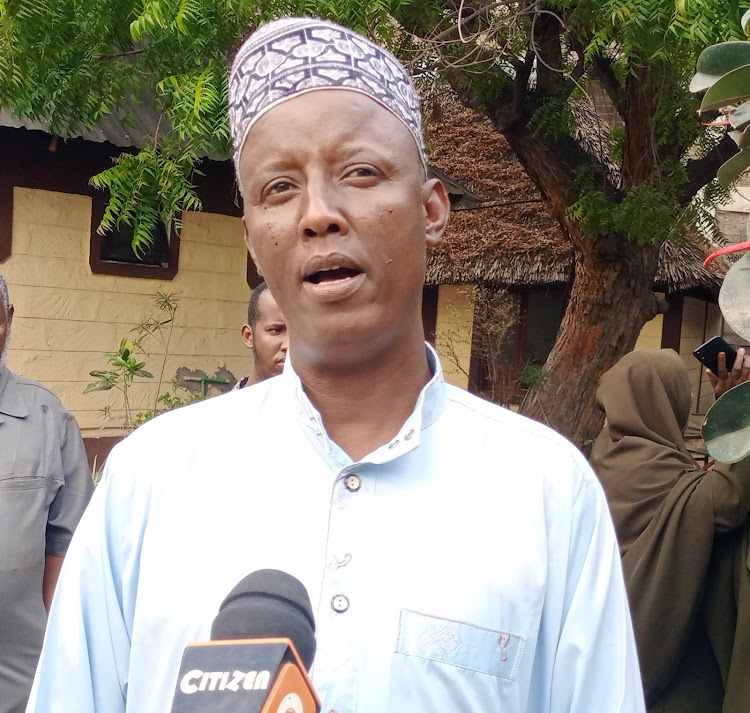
x: 125, y: 366
x: 723, y: 72
x: 72, y: 62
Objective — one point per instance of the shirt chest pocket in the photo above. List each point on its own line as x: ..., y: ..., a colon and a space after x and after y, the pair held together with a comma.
x: 30, y: 475
x: 448, y: 666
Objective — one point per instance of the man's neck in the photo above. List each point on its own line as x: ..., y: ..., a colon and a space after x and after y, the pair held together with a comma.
x: 365, y: 406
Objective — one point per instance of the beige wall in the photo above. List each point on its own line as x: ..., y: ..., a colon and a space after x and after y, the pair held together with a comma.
x: 453, y: 332
x: 66, y: 318
x: 650, y: 336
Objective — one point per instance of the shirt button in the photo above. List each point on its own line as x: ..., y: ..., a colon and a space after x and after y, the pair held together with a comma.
x: 392, y: 444
x: 408, y: 436
x: 340, y: 603
x: 353, y: 483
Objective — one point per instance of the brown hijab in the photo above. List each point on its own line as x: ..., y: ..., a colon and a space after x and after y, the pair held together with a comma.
x: 668, y: 514
x: 640, y: 454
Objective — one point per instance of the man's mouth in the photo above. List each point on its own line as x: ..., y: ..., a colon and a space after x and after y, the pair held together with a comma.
x: 332, y: 277
x: 331, y: 274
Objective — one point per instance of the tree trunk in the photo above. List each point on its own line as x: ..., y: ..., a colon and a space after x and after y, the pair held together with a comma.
x: 611, y: 299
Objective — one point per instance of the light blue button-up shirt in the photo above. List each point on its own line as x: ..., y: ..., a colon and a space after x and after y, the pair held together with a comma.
x: 471, y: 564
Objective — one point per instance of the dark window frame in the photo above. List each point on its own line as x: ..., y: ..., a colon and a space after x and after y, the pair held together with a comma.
x: 127, y: 269
x: 6, y: 217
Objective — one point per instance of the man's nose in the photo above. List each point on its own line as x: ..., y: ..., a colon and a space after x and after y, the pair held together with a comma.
x: 321, y: 214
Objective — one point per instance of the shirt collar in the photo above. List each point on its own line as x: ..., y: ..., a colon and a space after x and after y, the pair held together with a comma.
x: 430, y: 405
x: 11, y: 401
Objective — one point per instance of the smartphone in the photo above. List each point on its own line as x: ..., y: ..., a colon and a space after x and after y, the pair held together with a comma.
x: 708, y: 354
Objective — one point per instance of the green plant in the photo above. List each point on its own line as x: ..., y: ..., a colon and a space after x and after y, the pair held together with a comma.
x: 177, y: 396
x: 723, y: 73
x: 126, y: 365
x: 97, y: 471
x: 532, y: 375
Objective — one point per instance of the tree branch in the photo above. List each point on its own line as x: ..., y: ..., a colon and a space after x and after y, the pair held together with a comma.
x: 454, y: 31
x: 703, y: 170
x: 545, y: 41
x: 615, y: 91
x: 129, y: 53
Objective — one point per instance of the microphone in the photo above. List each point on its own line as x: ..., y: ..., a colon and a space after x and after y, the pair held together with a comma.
x: 262, y: 645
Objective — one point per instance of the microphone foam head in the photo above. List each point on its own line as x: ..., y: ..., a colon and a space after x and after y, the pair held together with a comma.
x: 268, y: 604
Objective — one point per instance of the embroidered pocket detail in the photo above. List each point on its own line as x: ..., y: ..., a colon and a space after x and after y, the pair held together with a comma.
x: 459, y: 643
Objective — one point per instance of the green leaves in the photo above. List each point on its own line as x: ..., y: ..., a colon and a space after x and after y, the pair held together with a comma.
x: 716, y: 61
x: 724, y: 72
x: 124, y: 369
x: 729, y: 89
x: 145, y: 188
x: 730, y: 171
x: 726, y: 429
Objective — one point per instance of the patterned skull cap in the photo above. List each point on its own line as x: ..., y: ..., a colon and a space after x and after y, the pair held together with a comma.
x: 294, y: 55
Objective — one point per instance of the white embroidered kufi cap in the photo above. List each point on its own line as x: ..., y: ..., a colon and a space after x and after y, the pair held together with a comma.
x: 294, y: 55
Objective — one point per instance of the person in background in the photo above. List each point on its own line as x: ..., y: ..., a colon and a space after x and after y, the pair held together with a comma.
x: 683, y: 534
x: 265, y: 334
x: 45, y: 484
x: 460, y: 557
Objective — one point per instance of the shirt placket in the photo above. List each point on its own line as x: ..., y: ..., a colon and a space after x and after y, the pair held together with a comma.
x: 340, y: 607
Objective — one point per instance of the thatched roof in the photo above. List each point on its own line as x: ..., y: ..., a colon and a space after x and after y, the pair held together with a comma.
x: 511, y: 240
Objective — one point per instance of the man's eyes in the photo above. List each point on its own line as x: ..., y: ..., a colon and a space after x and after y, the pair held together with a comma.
x: 278, y: 187
x: 363, y: 172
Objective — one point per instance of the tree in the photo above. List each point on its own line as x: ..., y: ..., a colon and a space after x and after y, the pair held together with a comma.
x: 521, y: 62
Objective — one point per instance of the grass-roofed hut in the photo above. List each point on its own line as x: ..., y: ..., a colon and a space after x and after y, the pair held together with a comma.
x: 501, y: 237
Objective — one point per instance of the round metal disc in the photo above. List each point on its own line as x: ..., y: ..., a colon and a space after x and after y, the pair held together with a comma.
x: 734, y: 298
x: 726, y: 428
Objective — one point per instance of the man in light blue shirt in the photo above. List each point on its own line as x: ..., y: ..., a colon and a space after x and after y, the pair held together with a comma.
x: 459, y: 557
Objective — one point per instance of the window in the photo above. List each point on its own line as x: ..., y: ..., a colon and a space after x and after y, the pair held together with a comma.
x: 112, y: 253
x: 116, y: 246
x: 499, y: 355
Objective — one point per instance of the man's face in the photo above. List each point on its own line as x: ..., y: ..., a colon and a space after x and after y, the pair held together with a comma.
x: 337, y: 217
x: 5, y: 320
x: 268, y: 338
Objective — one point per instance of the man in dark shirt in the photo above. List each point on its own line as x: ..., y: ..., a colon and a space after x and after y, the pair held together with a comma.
x: 45, y: 484
x: 265, y: 334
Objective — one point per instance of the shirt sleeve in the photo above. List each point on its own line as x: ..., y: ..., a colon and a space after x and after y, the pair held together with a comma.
x: 83, y: 667
x: 72, y: 497
x: 596, y: 665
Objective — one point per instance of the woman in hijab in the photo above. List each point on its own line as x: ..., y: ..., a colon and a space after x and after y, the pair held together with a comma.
x: 683, y: 535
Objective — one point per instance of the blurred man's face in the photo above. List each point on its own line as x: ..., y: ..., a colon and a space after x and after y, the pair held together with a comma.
x: 268, y: 338
x: 5, y: 320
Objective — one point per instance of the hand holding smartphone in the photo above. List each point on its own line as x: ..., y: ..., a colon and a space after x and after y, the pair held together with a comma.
x: 737, y: 365
x: 708, y: 354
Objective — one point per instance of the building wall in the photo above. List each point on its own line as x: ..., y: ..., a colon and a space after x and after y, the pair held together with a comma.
x: 66, y: 318
x: 650, y: 336
x: 453, y: 332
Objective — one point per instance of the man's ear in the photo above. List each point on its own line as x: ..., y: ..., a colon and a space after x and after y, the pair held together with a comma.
x: 437, y: 207
x: 10, y: 315
x: 247, y: 335
x: 249, y: 243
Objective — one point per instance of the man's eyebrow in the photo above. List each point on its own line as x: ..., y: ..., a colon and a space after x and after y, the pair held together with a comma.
x: 274, y: 166
x: 348, y: 152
